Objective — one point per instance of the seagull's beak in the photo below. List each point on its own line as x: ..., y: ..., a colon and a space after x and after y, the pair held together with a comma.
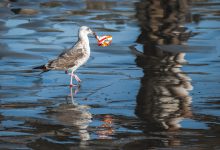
x: 95, y: 35
x: 92, y: 33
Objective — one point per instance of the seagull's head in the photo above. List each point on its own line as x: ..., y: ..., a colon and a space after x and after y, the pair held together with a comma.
x: 85, y: 31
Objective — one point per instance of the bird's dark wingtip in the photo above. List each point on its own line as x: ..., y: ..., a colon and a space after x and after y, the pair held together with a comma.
x: 42, y: 67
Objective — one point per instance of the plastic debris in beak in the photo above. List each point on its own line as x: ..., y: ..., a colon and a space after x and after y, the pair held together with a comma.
x: 104, y: 40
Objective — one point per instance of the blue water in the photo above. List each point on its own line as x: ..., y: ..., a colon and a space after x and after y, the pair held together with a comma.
x: 155, y: 87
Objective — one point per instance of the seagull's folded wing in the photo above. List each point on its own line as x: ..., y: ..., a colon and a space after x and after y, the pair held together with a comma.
x: 66, y: 60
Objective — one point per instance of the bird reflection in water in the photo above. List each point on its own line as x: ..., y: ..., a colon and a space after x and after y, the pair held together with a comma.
x: 163, y: 99
x: 104, y: 131
x: 74, y: 116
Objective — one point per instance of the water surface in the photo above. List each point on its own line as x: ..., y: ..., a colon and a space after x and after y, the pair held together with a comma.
x: 156, y: 87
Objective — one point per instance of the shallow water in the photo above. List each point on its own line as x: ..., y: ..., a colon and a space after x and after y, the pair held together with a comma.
x: 156, y: 87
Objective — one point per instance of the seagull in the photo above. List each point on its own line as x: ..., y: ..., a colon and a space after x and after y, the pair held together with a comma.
x: 71, y: 59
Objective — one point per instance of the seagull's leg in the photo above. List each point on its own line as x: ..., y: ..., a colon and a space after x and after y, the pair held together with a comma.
x: 71, y: 79
x: 77, y: 78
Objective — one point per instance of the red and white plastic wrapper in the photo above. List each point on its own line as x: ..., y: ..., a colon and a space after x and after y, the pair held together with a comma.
x: 104, y: 40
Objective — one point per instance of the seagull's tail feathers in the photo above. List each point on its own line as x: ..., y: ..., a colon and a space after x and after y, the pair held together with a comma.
x: 44, y: 68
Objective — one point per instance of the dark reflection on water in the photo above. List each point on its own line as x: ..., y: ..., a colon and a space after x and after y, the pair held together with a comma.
x: 163, y: 99
x: 162, y: 22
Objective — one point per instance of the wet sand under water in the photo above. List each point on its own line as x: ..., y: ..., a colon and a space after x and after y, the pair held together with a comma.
x: 156, y: 87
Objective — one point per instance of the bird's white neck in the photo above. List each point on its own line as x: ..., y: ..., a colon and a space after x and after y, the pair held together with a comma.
x: 85, y: 40
x: 84, y: 37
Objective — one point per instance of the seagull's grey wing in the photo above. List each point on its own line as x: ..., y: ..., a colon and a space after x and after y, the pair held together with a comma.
x: 67, y: 59
x: 76, y: 46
